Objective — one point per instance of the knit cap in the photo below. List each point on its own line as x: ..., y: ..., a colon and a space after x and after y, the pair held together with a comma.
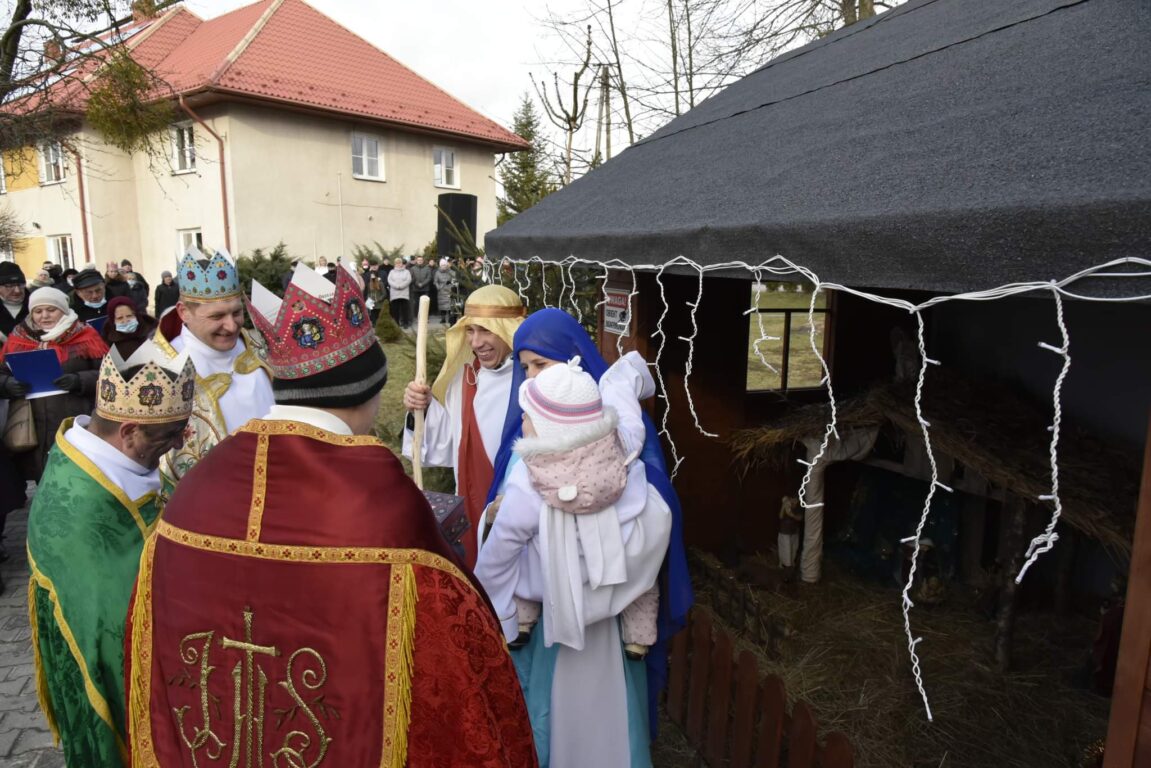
x: 50, y: 297
x: 562, y: 401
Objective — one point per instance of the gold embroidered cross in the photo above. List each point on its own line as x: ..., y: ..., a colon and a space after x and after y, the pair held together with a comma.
x: 243, y: 679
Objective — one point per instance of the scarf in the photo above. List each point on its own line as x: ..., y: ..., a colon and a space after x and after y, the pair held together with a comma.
x: 472, y: 463
x: 76, y: 338
x: 61, y: 327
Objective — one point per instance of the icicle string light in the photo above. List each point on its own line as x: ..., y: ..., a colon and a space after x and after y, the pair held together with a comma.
x: 779, y: 266
x: 1046, y: 540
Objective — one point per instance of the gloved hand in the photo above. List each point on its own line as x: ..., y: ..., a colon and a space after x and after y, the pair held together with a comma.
x: 69, y: 382
x: 14, y: 388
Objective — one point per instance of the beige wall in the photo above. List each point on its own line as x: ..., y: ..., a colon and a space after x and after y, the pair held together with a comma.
x: 44, y: 210
x: 290, y: 173
x: 286, y: 175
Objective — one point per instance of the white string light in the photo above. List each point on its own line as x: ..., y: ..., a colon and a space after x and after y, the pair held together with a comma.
x: 691, y: 356
x: 782, y: 267
x: 1046, y: 540
x: 763, y: 337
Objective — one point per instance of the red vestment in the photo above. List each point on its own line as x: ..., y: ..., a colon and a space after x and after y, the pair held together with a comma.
x: 298, y: 606
x: 473, y: 466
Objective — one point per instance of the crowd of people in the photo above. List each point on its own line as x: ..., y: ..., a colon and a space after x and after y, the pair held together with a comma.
x: 204, y: 585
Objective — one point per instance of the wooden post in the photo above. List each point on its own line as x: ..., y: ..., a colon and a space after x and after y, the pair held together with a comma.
x: 421, y: 378
x: 1129, y: 714
x: 773, y: 704
x: 1014, y: 516
x: 743, y: 726
x: 719, y: 704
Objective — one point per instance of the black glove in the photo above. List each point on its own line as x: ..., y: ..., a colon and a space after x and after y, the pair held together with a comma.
x: 69, y: 382
x: 14, y: 388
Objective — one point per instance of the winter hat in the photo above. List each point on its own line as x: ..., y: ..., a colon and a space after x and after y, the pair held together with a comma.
x: 11, y: 274
x: 87, y: 278
x: 562, y: 401
x: 48, y: 297
x: 164, y: 274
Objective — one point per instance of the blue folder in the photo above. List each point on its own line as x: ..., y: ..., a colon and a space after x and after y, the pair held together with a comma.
x: 38, y: 369
x: 97, y: 323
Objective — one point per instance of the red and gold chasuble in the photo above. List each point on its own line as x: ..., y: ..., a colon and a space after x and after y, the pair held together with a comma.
x: 299, y: 607
x: 473, y: 465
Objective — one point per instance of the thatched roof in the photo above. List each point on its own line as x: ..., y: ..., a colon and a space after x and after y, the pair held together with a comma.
x: 993, y: 432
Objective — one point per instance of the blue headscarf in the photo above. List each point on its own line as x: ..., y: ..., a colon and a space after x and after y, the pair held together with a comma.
x: 554, y: 334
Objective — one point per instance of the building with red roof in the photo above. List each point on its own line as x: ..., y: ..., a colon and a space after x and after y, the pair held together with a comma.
x: 291, y: 128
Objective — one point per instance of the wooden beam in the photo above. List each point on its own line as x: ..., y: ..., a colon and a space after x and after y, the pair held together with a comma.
x: 1127, y: 710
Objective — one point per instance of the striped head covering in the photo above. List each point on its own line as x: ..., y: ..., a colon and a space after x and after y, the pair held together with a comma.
x: 562, y: 401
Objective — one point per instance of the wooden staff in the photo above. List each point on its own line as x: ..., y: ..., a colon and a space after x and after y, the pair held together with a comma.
x: 421, y: 378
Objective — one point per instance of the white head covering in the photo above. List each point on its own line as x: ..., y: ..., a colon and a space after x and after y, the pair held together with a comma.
x: 48, y: 296
x: 562, y: 401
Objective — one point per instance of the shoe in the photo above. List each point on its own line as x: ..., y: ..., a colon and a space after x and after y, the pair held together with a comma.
x: 635, y: 651
x: 521, y: 640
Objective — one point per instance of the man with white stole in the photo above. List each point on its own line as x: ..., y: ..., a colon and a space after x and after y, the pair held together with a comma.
x: 95, y: 506
x: 233, y: 382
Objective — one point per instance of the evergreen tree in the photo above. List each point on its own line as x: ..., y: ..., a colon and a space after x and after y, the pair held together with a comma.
x: 525, y: 174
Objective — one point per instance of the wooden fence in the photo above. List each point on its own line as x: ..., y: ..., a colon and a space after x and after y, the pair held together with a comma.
x: 732, y: 717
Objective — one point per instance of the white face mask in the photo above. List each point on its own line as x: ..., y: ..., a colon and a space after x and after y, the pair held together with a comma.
x: 95, y: 304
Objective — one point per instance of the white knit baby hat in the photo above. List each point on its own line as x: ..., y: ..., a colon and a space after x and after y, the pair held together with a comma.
x: 562, y: 401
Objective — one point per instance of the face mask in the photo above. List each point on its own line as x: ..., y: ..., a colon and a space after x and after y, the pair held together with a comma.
x: 128, y: 326
x: 95, y: 304
x: 131, y: 282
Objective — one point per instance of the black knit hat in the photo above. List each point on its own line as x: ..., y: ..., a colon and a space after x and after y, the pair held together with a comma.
x: 345, y: 386
x: 11, y: 274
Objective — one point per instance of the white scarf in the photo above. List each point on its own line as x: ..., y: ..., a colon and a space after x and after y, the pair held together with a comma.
x: 62, y: 326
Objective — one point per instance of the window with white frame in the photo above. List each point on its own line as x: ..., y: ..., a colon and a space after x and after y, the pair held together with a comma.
x: 183, y: 148
x: 366, y: 160
x: 7, y: 253
x: 60, y: 250
x: 52, y: 168
x: 190, y: 238
x: 3, y: 178
x: 446, y: 173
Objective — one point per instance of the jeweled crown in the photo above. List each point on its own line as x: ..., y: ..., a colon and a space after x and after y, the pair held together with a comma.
x: 162, y: 390
x: 214, y: 282
x: 317, y: 326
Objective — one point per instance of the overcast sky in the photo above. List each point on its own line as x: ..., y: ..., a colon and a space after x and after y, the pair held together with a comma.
x: 478, y: 51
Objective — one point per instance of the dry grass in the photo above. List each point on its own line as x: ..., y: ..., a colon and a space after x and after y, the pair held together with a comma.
x: 845, y: 654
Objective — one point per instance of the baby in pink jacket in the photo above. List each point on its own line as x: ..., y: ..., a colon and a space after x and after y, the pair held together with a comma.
x: 577, y: 465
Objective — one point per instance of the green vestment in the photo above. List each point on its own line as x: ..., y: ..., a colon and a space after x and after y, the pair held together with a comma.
x: 84, y: 542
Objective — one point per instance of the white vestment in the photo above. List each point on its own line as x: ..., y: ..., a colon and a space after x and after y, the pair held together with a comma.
x: 444, y: 423
x: 250, y: 394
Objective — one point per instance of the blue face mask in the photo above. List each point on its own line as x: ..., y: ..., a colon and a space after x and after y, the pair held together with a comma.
x: 128, y: 325
x: 95, y: 304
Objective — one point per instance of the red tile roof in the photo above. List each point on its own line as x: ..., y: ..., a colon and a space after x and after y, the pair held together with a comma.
x: 286, y: 51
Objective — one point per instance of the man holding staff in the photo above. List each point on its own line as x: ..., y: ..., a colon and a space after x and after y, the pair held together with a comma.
x: 466, y: 405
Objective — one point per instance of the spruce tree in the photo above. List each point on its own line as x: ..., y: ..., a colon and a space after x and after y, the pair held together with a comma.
x: 525, y: 174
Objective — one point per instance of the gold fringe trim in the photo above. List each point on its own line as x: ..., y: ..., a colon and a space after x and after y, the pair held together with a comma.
x: 139, y: 692
x: 398, y: 660
x: 95, y: 698
x: 41, y: 675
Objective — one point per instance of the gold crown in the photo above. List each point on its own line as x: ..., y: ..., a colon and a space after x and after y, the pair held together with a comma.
x: 162, y: 390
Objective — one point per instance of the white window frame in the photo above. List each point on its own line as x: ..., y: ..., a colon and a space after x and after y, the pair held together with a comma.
x: 62, y: 256
x: 192, y: 236
x: 7, y: 253
x: 445, y: 175
x: 3, y: 178
x: 183, y: 143
x: 53, y: 165
x: 365, y: 159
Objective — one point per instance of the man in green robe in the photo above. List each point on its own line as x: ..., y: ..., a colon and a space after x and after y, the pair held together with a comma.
x: 93, y: 509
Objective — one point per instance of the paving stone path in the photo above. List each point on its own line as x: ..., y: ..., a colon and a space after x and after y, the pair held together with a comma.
x: 24, y: 738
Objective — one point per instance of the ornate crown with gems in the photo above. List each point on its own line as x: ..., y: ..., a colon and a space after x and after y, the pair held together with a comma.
x: 218, y: 280
x: 162, y: 390
x: 316, y: 327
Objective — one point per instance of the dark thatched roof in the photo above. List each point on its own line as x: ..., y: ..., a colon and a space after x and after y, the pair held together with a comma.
x: 945, y: 145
